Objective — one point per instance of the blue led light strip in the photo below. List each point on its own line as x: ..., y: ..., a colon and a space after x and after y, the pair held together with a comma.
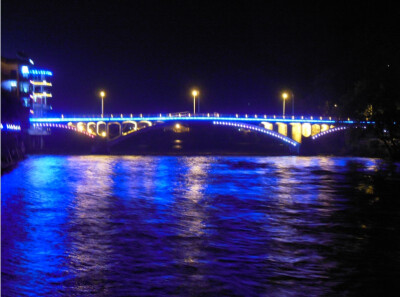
x: 258, y: 129
x: 40, y: 72
x: 10, y: 127
x: 51, y: 125
x: 328, y: 132
x: 183, y: 118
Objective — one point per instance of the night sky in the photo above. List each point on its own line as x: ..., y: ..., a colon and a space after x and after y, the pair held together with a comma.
x: 148, y: 55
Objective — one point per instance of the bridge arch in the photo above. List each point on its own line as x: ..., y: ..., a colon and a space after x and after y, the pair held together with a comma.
x: 91, y: 127
x: 110, y: 124
x: 291, y: 144
x: 144, y: 122
x: 138, y: 130
x: 283, y: 138
x: 125, y: 124
x: 98, y: 128
x: 81, y: 126
x: 328, y: 132
x: 63, y: 126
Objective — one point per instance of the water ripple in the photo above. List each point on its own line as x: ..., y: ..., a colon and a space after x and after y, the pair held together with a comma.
x: 196, y: 226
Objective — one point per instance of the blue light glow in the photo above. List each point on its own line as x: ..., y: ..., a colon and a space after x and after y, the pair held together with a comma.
x: 24, y: 69
x: 40, y: 72
x: 328, y: 132
x: 258, y: 129
x: 51, y: 125
x: 74, y: 225
x: 10, y: 127
x: 46, y: 125
x: 237, y: 120
x: 182, y: 118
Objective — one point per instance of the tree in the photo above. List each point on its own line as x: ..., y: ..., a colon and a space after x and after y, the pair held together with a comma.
x: 376, y: 98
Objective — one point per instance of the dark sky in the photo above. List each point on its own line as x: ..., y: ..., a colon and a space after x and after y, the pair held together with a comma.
x: 148, y: 55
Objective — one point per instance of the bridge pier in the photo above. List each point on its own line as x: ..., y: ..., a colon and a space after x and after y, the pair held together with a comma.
x: 306, y: 130
x: 282, y: 128
x: 296, y: 132
x: 315, y: 129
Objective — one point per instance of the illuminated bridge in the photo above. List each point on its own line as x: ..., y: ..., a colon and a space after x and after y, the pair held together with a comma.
x: 290, y: 130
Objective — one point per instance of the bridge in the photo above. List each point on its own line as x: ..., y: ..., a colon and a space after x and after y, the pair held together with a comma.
x: 289, y: 130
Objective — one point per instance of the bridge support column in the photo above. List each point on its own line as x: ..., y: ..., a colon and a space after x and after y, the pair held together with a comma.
x: 282, y: 128
x: 267, y: 125
x: 315, y: 129
x: 324, y: 127
x: 306, y: 130
x: 80, y: 126
x: 296, y: 131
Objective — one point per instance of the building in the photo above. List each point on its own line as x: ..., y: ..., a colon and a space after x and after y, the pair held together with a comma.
x: 28, y: 84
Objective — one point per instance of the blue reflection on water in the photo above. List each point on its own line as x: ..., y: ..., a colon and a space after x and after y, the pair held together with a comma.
x: 234, y: 226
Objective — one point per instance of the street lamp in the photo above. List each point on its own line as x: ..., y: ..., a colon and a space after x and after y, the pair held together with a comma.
x: 102, y: 94
x: 284, y: 96
x: 292, y: 103
x: 194, y: 93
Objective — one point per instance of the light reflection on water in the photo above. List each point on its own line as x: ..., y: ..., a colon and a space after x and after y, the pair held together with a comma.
x: 233, y: 226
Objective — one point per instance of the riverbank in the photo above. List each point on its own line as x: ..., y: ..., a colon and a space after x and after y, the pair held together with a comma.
x: 12, y: 150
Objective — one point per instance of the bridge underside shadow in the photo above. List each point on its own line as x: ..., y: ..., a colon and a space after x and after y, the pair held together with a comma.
x: 344, y: 142
x: 61, y: 141
x: 199, y: 138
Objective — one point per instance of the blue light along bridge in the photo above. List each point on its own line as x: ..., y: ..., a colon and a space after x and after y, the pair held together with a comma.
x: 289, y: 130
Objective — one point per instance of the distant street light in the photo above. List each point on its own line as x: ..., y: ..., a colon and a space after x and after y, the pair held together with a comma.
x: 292, y: 103
x: 102, y: 94
x: 194, y: 93
x: 284, y: 96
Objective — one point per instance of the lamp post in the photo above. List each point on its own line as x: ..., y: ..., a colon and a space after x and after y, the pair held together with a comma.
x: 284, y: 96
x: 102, y: 94
x: 194, y: 93
x: 292, y: 103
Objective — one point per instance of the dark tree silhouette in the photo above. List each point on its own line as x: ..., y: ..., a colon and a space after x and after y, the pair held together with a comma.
x: 376, y: 98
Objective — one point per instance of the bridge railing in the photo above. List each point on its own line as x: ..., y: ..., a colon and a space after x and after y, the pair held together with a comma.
x: 197, y: 115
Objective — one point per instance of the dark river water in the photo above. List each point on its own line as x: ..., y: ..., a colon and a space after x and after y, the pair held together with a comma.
x: 200, y: 226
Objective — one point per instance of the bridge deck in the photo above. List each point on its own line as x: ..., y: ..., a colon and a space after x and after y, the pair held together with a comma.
x: 202, y: 117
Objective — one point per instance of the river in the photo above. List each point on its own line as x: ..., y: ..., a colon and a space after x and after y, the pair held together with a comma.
x: 200, y: 226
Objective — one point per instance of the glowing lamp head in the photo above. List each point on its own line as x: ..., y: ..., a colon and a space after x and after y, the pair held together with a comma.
x: 25, y: 69
x: 102, y: 93
x: 285, y: 96
x: 177, y: 126
x: 195, y: 93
